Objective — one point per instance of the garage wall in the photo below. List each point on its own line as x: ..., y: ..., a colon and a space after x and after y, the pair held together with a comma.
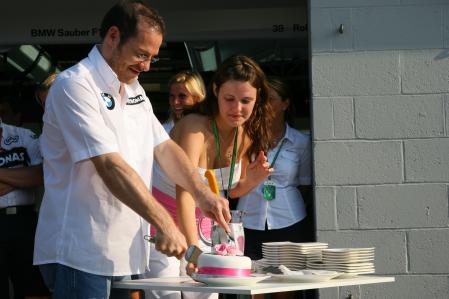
x: 380, y: 96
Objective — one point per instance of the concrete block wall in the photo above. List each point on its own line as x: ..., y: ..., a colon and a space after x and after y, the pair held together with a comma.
x: 380, y: 110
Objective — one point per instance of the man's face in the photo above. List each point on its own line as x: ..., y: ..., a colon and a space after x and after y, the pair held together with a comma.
x: 134, y: 56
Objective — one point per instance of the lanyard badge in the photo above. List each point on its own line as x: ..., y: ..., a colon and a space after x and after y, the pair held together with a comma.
x: 269, y: 190
x: 269, y: 187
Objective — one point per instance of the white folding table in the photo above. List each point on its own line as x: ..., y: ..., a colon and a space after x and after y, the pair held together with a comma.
x: 263, y: 287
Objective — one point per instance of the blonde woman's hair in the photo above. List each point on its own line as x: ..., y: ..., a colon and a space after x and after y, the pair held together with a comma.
x: 192, y: 81
x: 46, y: 84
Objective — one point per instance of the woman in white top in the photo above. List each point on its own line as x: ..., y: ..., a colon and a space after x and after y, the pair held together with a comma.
x: 275, y: 210
x: 230, y: 128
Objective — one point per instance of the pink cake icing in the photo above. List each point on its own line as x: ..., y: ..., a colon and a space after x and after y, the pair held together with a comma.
x: 224, y: 265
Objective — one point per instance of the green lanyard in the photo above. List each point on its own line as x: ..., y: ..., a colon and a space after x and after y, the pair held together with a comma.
x: 277, y: 153
x: 234, y: 155
x: 269, y: 187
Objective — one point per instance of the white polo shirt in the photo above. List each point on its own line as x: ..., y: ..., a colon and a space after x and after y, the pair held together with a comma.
x: 81, y: 224
x: 19, y: 148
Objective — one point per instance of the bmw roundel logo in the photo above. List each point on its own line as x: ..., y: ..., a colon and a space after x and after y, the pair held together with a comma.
x: 108, y: 100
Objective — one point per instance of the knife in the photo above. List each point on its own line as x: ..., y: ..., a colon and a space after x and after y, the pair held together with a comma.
x: 210, y: 176
x: 192, y: 254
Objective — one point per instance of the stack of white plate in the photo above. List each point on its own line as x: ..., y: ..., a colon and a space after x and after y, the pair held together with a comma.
x: 292, y: 255
x: 310, y: 252
x: 351, y: 261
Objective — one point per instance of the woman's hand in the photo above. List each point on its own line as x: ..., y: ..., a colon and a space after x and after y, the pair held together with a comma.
x: 191, y: 268
x: 254, y: 174
x: 258, y: 170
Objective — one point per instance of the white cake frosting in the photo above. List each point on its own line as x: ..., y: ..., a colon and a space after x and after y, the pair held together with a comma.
x: 225, y: 265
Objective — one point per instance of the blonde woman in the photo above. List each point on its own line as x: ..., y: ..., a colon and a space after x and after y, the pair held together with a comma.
x: 186, y: 89
x: 43, y: 88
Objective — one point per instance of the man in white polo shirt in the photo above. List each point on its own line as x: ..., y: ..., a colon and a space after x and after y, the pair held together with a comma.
x: 99, y: 138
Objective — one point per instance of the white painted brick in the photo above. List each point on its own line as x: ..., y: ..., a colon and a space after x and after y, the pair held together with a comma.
x: 342, y: 74
x: 352, y: 292
x: 325, y: 208
x: 446, y: 26
x: 428, y: 250
x: 323, y: 119
x: 403, y: 206
x: 328, y: 293
x: 400, y: 27
x: 343, y: 118
x: 321, y: 30
x: 324, y: 30
x: 425, y: 2
x: 426, y: 160
x: 446, y: 109
x: 425, y: 71
x: 333, y: 118
x: 357, y: 162
x: 390, y: 252
x: 399, y: 116
x: 341, y: 41
x: 346, y: 208
x: 409, y: 287
x: 352, y: 3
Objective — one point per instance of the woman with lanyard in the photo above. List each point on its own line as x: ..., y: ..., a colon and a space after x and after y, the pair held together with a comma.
x: 228, y: 133
x: 275, y: 210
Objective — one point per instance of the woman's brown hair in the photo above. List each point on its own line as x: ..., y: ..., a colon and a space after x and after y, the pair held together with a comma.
x: 244, y: 69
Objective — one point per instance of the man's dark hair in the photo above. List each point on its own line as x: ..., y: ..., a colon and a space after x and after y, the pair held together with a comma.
x: 126, y: 14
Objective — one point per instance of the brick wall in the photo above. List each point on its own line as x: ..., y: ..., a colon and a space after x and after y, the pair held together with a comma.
x: 380, y: 97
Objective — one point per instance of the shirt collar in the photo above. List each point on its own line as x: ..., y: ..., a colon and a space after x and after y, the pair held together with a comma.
x: 288, y: 133
x: 105, y: 71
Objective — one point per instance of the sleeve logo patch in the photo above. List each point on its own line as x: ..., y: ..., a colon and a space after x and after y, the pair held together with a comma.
x: 108, y: 100
x: 135, y: 100
x: 12, y: 139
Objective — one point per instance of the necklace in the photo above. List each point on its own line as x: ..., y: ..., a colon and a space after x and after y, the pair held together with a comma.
x: 225, y: 144
x: 234, y: 154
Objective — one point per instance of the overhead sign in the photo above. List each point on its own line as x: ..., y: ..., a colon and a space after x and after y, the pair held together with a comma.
x: 78, y: 22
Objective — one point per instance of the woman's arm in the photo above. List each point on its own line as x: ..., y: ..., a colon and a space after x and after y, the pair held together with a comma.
x: 190, y: 137
x: 253, y: 174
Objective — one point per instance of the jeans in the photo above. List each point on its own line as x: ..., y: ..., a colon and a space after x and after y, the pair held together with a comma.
x: 69, y: 283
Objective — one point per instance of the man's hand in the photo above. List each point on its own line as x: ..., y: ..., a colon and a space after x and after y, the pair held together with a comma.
x: 171, y: 243
x: 179, y: 168
x: 214, y: 207
x: 5, y: 189
x: 125, y: 184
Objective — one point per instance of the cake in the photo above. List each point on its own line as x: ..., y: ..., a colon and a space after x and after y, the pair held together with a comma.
x: 224, y: 265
